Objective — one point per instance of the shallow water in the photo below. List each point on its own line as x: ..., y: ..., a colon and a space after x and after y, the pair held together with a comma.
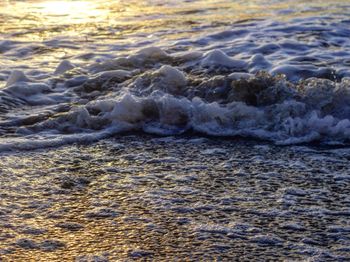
x: 137, y: 197
x: 189, y: 80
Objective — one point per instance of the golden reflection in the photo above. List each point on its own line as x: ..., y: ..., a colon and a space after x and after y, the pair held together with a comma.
x: 42, y: 19
x: 95, y: 22
x: 62, y: 7
x: 68, y: 8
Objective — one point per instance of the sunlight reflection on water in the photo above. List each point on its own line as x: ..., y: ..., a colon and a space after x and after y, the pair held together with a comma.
x: 96, y: 25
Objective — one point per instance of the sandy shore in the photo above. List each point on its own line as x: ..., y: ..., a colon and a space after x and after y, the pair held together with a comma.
x: 175, y: 198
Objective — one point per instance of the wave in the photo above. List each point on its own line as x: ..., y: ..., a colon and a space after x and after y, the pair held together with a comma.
x: 164, y: 93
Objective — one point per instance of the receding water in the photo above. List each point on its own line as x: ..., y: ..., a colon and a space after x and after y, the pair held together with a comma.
x: 166, y: 199
x: 185, y: 130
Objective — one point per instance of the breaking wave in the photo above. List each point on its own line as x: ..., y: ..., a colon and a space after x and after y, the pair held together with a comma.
x: 161, y: 92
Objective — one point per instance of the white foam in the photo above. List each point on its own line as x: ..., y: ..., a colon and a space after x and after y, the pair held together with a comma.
x: 152, y: 52
x: 219, y: 58
x: 173, y: 79
x: 127, y: 110
x: 162, y: 113
x: 52, y: 140
x: 259, y: 62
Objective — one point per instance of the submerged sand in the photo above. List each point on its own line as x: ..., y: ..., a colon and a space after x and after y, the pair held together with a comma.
x: 175, y: 198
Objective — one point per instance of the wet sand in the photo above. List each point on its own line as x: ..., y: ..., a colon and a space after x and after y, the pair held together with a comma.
x: 175, y: 198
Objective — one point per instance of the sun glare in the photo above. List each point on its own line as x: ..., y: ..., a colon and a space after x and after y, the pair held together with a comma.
x: 68, y: 8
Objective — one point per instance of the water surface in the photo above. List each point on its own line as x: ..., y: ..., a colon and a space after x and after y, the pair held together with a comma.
x: 189, y: 130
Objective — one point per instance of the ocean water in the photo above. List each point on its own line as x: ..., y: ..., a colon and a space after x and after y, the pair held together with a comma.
x: 188, y: 130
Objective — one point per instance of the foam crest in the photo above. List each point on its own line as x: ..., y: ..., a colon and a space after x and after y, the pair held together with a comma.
x: 217, y: 58
x: 230, y: 83
x: 289, y: 122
